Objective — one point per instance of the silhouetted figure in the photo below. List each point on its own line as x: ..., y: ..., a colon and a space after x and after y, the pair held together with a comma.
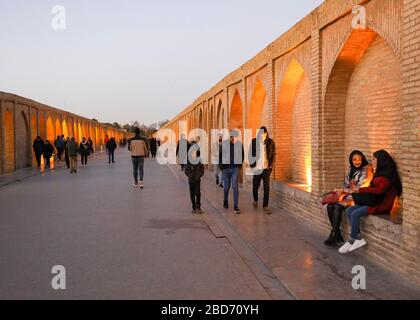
x: 48, y: 152
x: 38, y: 147
x: 110, y: 147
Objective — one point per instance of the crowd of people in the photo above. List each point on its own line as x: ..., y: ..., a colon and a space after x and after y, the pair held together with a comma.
x: 368, y: 189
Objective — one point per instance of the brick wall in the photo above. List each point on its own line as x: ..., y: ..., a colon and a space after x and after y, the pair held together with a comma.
x: 21, y: 120
x: 9, y: 138
x: 362, y: 92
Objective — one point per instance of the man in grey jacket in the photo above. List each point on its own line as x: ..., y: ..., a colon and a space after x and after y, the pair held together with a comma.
x: 139, y: 151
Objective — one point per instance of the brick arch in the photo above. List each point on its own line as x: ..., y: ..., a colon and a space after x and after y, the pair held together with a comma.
x: 256, y: 107
x: 9, y: 141
x: 293, y: 134
x: 42, y: 125
x: 23, y: 141
x: 65, y: 129
x: 58, y: 130
x: 363, y: 98
x: 50, y: 130
x: 80, y: 131
x: 220, y: 119
x: 236, y: 112
x: 370, y: 27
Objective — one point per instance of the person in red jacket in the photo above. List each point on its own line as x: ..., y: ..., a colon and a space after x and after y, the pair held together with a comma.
x: 378, y: 198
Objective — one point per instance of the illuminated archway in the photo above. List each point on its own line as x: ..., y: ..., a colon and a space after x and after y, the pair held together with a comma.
x: 42, y: 126
x: 9, y: 141
x: 50, y: 130
x: 236, y: 115
x: 65, y: 130
x: 363, y: 98
x: 23, y: 150
x: 58, y: 131
x: 256, y: 108
x: 293, y: 136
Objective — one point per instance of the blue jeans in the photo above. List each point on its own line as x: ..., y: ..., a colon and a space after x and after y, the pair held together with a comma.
x: 138, y: 165
x: 354, y: 214
x: 111, y: 155
x: 230, y: 176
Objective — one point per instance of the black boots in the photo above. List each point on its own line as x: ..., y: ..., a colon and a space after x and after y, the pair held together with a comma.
x: 335, y: 214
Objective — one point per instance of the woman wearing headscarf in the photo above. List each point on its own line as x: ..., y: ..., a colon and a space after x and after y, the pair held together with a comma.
x: 378, y: 198
x: 357, y: 176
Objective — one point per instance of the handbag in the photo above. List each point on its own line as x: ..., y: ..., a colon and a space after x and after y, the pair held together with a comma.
x: 330, y: 198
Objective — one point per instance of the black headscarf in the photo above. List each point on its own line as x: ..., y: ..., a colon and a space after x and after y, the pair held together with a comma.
x: 353, y: 169
x: 387, y: 168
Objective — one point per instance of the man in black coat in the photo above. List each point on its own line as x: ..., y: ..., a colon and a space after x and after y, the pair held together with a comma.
x: 38, y: 147
x: 111, y: 145
x: 231, y: 158
x: 263, y: 162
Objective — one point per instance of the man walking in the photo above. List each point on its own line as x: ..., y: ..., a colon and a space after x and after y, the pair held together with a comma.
x: 72, y: 150
x: 139, y: 151
x: 110, y: 147
x: 231, y: 158
x: 262, y: 160
x: 38, y: 147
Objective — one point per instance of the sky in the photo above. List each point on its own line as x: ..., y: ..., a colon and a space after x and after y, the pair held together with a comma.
x: 127, y: 60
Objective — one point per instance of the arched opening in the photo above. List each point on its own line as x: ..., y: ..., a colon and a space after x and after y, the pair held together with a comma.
x: 42, y: 126
x: 236, y: 115
x: 200, y: 120
x: 22, y: 143
x: 363, y: 108
x: 256, y: 108
x: 58, y: 131
x: 80, y: 132
x: 293, y: 137
x: 65, y: 130
x: 50, y: 130
x: 9, y: 141
x: 220, y: 116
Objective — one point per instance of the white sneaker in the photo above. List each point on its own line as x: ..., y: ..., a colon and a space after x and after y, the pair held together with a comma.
x: 357, y: 245
x: 345, y: 248
x: 135, y: 185
x: 141, y: 185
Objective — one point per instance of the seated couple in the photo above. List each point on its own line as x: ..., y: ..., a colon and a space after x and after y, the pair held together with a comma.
x: 363, y: 195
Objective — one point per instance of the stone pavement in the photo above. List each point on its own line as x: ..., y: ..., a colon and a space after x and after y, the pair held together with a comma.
x: 119, y: 242
x: 115, y: 241
x: 292, y: 251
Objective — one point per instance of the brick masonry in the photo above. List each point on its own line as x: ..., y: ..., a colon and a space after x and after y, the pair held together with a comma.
x: 21, y: 120
x: 329, y: 89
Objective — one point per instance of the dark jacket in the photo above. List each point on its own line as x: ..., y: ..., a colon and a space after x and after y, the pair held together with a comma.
x: 38, y: 146
x: 84, y: 149
x: 111, y: 145
x: 72, y: 149
x: 48, y: 151
x: 194, y: 172
x: 379, y: 196
x: 228, y: 153
x: 270, y: 149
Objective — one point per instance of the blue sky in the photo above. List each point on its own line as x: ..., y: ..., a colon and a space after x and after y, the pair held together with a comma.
x: 132, y: 60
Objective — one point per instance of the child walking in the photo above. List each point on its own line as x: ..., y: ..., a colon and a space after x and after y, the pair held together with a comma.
x: 194, y: 170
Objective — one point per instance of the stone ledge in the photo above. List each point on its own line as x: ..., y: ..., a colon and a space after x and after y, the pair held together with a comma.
x: 292, y: 190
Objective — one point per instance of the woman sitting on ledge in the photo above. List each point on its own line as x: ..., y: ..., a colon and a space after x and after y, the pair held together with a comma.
x: 358, y: 176
x: 378, y: 198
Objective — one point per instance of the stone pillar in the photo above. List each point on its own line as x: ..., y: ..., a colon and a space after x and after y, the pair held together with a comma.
x: 316, y: 110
